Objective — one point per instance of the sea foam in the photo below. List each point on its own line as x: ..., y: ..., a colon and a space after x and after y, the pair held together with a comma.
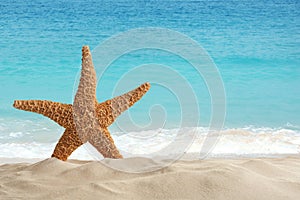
x: 237, y: 142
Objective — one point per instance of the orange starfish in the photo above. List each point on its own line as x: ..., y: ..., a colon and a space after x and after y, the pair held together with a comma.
x: 86, y: 120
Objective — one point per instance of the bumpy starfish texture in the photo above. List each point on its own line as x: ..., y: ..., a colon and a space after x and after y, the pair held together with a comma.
x: 86, y: 120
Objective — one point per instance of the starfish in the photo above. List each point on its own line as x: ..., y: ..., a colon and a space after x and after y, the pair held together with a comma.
x: 86, y: 120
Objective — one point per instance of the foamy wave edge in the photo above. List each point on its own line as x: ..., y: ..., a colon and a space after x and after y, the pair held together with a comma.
x: 238, y: 142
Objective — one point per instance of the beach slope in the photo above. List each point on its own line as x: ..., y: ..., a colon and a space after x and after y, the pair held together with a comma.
x: 258, y: 178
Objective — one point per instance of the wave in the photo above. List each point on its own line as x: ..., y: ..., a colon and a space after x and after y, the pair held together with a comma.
x: 231, y: 142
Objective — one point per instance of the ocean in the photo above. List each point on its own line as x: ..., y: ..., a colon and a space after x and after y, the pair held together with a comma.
x: 253, y: 44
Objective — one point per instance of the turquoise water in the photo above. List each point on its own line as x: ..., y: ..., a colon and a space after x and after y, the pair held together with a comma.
x: 255, y: 45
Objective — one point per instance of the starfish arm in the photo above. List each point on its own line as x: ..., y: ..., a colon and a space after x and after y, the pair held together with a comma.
x: 58, y: 112
x: 109, y: 110
x: 87, y: 84
x: 68, y: 143
x: 107, y: 149
x: 85, y: 98
x: 86, y: 122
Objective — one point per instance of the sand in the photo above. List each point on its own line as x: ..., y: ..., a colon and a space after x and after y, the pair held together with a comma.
x: 256, y: 178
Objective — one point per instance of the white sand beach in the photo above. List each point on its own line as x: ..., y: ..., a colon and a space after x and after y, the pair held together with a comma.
x: 254, y: 178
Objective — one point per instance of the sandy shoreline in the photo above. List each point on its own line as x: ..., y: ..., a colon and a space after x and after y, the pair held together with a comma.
x: 255, y: 178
